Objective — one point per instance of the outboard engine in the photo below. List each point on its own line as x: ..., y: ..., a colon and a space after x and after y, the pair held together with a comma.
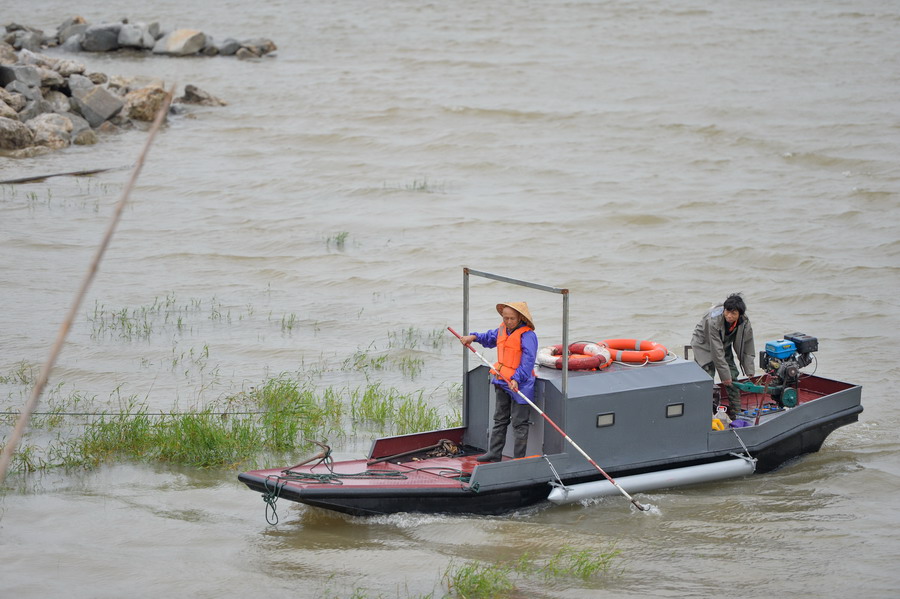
x: 782, y: 360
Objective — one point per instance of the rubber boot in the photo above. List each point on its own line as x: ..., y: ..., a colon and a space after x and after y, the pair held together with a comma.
x: 496, y: 451
x: 521, y: 445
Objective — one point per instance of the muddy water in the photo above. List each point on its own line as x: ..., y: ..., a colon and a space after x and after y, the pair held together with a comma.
x: 651, y: 157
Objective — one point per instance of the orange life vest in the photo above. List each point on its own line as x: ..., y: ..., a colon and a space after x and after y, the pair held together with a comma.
x: 509, y: 350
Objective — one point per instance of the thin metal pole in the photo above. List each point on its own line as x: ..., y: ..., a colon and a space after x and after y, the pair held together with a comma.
x: 565, y: 341
x: 41, y: 382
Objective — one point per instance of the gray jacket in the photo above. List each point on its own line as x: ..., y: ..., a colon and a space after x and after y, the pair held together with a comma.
x: 709, y: 347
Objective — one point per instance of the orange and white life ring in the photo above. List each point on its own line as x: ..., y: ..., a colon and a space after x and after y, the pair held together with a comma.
x: 582, y: 356
x: 634, y: 350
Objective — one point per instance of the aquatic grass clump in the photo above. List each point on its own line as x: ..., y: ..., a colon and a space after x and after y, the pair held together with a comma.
x: 479, y: 580
x: 22, y: 374
x: 393, y: 411
x: 280, y: 416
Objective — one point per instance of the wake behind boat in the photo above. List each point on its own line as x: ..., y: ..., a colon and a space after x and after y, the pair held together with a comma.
x: 649, y: 424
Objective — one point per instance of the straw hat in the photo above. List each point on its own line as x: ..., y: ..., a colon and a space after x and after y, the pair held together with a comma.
x: 521, y: 308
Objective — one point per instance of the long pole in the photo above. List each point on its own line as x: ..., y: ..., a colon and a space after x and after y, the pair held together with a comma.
x: 31, y: 404
x: 553, y: 424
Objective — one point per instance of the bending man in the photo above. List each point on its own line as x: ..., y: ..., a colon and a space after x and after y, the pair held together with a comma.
x: 722, y: 329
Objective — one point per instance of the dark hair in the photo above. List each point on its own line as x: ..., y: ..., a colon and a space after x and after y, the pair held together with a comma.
x: 735, y: 302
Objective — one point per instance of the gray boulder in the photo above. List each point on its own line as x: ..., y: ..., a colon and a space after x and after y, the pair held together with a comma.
x: 51, y: 79
x: 67, y: 68
x: 135, y: 35
x: 23, y: 39
x: 229, y: 47
x: 96, y: 105
x: 14, y: 100
x: 79, y: 83
x: 30, y: 93
x: 14, y: 135
x: 181, y: 42
x: 58, y: 100
x: 259, y: 45
x: 71, y: 27
x: 195, y: 95
x: 143, y: 104
x: 73, y: 44
x: 51, y: 130
x: 79, y: 124
x: 7, y: 54
x: 7, y: 111
x: 101, y: 38
x: 30, y: 75
x: 88, y: 137
x: 34, y: 108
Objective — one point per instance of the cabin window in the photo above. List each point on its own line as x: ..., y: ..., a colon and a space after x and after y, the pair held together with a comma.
x: 607, y: 419
x: 674, y: 410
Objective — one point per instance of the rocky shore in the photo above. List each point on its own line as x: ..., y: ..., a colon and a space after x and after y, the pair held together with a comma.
x: 48, y: 103
x: 77, y: 35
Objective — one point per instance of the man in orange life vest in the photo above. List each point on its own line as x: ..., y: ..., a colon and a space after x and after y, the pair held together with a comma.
x: 517, y: 347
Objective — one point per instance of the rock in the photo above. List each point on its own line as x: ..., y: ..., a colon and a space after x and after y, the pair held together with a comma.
x: 210, y: 49
x: 73, y: 44
x: 131, y: 36
x: 67, y: 68
x: 30, y: 75
x: 71, y: 27
x: 7, y: 54
x: 155, y: 30
x: 96, y: 105
x: 229, y: 47
x: 14, y: 135
x: 195, y: 95
x: 259, y: 45
x: 51, y: 130
x: 88, y: 137
x: 244, y: 53
x: 51, y: 79
x: 98, y: 78
x: 30, y: 93
x: 25, y: 40
x: 7, y: 111
x: 143, y: 104
x: 101, y: 38
x: 135, y: 35
x: 79, y: 83
x: 12, y: 99
x: 181, y: 42
x: 58, y: 100
x: 79, y: 124
x: 108, y: 127
x: 34, y: 108
x: 33, y: 58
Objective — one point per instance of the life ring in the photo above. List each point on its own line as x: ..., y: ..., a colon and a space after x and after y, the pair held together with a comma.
x: 582, y: 356
x: 633, y: 350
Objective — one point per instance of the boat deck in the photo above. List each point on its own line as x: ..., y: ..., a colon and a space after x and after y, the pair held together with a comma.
x: 423, y: 473
x: 809, y: 389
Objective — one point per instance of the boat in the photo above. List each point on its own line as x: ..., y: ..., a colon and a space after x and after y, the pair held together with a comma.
x: 628, y: 428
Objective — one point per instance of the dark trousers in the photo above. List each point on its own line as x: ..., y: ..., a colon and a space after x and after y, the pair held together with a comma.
x: 734, y: 394
x: 506, y: 411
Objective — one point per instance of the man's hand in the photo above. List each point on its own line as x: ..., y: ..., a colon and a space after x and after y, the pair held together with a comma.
x: 467, y: 339
x: 513, y: 385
